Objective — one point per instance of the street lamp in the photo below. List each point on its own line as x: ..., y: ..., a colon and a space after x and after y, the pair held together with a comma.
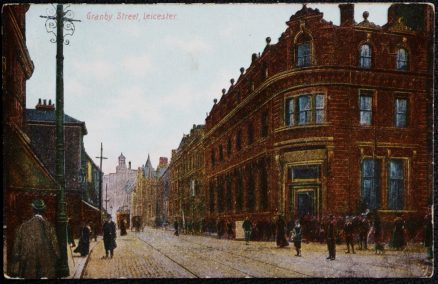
x: 60, y: 21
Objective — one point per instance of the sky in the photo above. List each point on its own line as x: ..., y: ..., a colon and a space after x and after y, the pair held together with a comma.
x: 139, y: 83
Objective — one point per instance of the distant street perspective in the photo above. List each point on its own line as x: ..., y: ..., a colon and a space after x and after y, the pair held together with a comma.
x: 158, y: 253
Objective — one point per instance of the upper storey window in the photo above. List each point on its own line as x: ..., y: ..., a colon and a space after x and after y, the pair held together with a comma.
x: 365, y: 56
x: 402, y: 59
x: 303, y: 50
x: 305, y: 109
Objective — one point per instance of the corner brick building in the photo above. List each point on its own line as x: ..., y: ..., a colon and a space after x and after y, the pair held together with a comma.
x: 331, y: 119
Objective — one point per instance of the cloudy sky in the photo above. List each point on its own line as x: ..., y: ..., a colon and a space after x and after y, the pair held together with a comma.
x: 140, y: 83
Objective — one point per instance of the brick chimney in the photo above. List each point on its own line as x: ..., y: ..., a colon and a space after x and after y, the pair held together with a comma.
x: 44, y: 106
x: 163, y: 162
x: 347, y: 14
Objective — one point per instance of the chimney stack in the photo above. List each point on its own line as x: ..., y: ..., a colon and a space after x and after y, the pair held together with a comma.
x: 43, y: 106
x: 129, y: 164
x: 347, y: 14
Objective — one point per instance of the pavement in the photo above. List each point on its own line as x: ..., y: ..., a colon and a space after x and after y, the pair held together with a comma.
x: 157, y: 253
x: 77, y: 263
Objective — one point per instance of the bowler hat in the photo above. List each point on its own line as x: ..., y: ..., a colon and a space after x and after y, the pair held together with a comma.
x: 38, y: 204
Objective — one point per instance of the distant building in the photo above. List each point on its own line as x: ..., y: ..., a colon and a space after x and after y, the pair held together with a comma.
x: 187, y: 174
x: 163, y: 197
x: 146, y: 198
x: 117, y: 188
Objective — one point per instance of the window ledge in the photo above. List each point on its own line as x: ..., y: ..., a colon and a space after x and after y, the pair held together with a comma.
x: 396, y: 211
x: 284, y: 128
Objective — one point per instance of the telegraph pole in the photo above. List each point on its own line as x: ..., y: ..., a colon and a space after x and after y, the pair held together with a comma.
x: 100, y: 181
x: 106, y: 198
x: 55, y: 21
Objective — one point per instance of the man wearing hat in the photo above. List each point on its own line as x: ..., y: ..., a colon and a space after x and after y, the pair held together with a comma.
x: 331, y: 237
x: 109, y: 236
x: 35, y: 252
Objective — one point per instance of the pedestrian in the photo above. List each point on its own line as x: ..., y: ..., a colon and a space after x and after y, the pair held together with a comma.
x: 35, y: 252
x: 364, y: 227
x: 247, y: 228
x: 297, y: 237
x: 123, y: 225
x: 398, y: 238
x: 348, y: 231
x: 70, y: 239
x: 378, y: 244
x: 84, y: 241
x: 93, y: 230
x: 109, y: 236
x: 280, y: 232
x: 331, y: 237
x: 175, y: 225
x: 230, y: 230
x: 428, y: 235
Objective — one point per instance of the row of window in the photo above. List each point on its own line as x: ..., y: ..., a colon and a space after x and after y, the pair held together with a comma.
x: 304, y: 56
x: 224, y: 193
x: 264, y: 126
x: 310, y: 109
x: 371, y: 183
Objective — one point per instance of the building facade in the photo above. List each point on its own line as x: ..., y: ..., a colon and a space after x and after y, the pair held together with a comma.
x: 187, y: 190
x: 117, y: 188
x: 25, y: 177
x: 147, y: 197
x: 163, y: 197
x: 81, y: 174
x: 330, y: 119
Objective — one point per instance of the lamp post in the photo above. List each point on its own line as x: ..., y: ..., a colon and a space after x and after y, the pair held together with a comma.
x: 60, y: 21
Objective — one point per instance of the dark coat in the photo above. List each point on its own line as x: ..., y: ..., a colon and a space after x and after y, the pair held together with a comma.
x: 35, y: 252
x: 84, y: 241
x: 297, y: 236
x: 280, y: 231
x: 247, y: 225
x: 109, y: 235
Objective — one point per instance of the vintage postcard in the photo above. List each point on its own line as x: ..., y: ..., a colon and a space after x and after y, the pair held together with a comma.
x: 218, y: 141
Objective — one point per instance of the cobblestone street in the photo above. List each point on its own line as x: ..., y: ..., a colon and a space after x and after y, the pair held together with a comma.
x: 158, y: 253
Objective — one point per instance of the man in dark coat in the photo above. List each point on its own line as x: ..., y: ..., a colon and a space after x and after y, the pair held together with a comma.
x: 176, y: 226
x: 280, y: 232
x: 123, y: 225
x: 35, y: 252
x: 247, y: 228
x: 84, y: 240
x: 331, y: 237
x: 109, y: 236
x: 348, y: 231
x: 296, y: 236
x: 364, y: 227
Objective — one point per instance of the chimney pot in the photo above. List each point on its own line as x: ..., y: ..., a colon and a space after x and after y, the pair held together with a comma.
x: 242, y: 70
x: 232, y: 82
x: 347, y: 14
x: 45, y: 102
x: 268, y: 40
x: 254, y: 57
x: 215, y: 101
x: 39, y: 101
x: 223, y: 91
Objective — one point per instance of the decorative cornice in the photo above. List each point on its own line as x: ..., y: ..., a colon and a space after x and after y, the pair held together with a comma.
x: 400, y: 27
x: 23, y: 53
